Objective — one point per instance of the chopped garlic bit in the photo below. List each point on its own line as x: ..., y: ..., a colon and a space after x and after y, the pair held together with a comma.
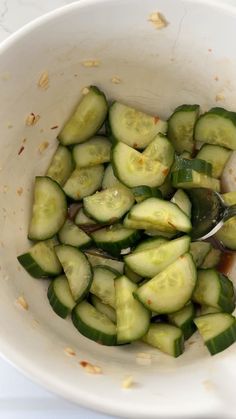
x: 19, y: 191
x: 43, y: 81
x: 85, y: 91
x: 219, y: 97
x: 43, y: 146
x: 31, y: 119
x: 69, y: 351
x: 91, y: 63
x: 125, y: 251
x: 127, y: 382
x: 116, y: 80
x: 158, y: 20
x: 90, y: 368
x: 21, y: 302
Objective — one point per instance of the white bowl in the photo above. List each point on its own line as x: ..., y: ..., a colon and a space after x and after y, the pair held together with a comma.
x: 192, y: 60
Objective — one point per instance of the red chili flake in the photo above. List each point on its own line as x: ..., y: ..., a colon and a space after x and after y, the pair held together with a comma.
x: 21, y: 150
x: 156, y: 119
x: 83, y: 364
x: 149, y: 302
x: 54, y: 127
x: 165, y: 171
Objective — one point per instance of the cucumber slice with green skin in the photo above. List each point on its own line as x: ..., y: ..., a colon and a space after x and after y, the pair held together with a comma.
x: 181, y: 199
x: 132, y: 127
x: 218, y: 331
x: 77, y: 270
x: 181, y: 127
x: 209, y: 310
x: 189, y: 179
x: 87, y: 118
x: 60, y: 297
x: 133, y: 168
x: 161, y: 149
x: 200, y: 166
x: 103, y: 284
x: 166, y: 188
x: 215, y: 290
x: 109, y: 205
x: 184, y: 320
x: 109, y: 179
x: 143, y: 192
x: 212, y: 259
x: 199, y: 251
x: 93, y: 152
x: 97, y: 258
x: 165, y: 337
x: 132, y: 317
x: 151, y: 262
x: 93, y: 324
x: 104, y: 308
x: 132, y: 275
x: 49, y: 209
x: 115, y: 238
x: 40, y: 261
x: 152, y: 243
x: 217, y: 156
x: 163, y: 234
x: 171, y: 289
x: 71, y: 234
x: 227, y: 234
x: 84, y: 182
x: 217, y: 127
x: 81, y: 219
x: 161, y: 215
x: 61, y: 165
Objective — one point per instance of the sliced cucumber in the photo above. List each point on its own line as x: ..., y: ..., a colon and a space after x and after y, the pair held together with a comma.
x: 135, y: 128
x: 162, y: 215
x: 166, y: 188
x: 134, y: 168
x: 209, y: 310
x: 40, y: 260
x: 215, y: 155
x: 84, y: 182
x: 132, y: 317
x: 165, y: 337
x: 114, y: 238
x: 218, y: 127
x: 181, y: 127
x: 87, y: 118
x: 97, y: 258
x: 227, y: 234
x: 152, y: 243
x: 60, y: 297
x: 200, y: 166
x: 109, y: 179
x: 189, y: 179
x: 199, y: 251
x: 132, y: 275
x: 212, y: 259
x: 184, y: 320
x: 150, y: 262
x: 163, y: 234
x: 81, y: 219
x: 104, y: 308
x: 161, y: 149
x: 103, y: 285
x: 93, y: 152
x: 73, y: 235
x: 61, y: 165
x: 109, y: 205
x: 218, y: 331
x: 215, y: 290
x: 171, y: 289
x: 229, y: 198
x: 77, y: 270
x: 49, y: 209
x: 181, y: 199
x: 143, y: 192
x: 93, y: 324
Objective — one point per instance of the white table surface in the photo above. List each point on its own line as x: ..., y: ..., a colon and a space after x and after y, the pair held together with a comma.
x: 19, y: 397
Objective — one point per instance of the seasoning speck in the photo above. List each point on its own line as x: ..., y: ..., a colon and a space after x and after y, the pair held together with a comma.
x: 19, y: 191
x: 43, y: 81
x: 69, y: 351
x: 158, y: 20
x: 54, y: 127
x: 31, y: 119
x: 116, y: 80
x: 90, y: 368
x: 21, y: 150
x: 90, y: 63
x: 43, y: 146
x: 219, y: 97
x: 85, y: 91
x: 21, y: 302
x: 127, y: 382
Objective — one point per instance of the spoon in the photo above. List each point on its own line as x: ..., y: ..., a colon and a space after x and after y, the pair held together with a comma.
x: 209, y: 212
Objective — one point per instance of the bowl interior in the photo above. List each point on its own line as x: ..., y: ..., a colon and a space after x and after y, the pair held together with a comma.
x: 192, y: 60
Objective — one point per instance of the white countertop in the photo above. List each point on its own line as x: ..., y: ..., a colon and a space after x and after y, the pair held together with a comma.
x: 19, y: 397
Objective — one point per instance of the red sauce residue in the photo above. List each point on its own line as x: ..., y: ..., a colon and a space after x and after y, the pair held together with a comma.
x: 156, y: 119
x: 149, y: 302
x: 21, y: 150
x: 165, y: 171
x: 225, y: 264
x: 54, y: 127
x: 83, y: 364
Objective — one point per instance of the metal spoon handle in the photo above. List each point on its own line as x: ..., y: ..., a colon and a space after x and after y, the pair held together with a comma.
x: 229, y: 212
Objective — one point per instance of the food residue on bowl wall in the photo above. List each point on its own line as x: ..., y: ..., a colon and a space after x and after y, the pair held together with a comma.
x: 158, y: 20
x: 90, y: 63
x: 43, y: 81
